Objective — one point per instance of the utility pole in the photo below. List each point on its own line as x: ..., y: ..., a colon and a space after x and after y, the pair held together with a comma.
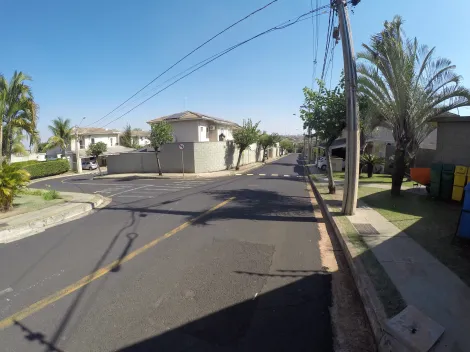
x: 77, y: 149
x: 351, y: 179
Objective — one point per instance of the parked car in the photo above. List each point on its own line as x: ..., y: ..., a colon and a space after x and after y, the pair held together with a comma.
x: 321, y: 163
x: 89, y: 165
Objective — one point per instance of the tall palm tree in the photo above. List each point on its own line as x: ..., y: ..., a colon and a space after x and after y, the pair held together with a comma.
x: 407, y: 87
x: 17, y: 108
x: 61, y: 134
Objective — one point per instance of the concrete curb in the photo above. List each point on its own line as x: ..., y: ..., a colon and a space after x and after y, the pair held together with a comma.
x: 370, y: 299
x: 37, y: 225
x: 186, y: 176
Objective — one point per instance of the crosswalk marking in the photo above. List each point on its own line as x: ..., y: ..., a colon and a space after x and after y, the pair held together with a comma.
x: 274, y: 175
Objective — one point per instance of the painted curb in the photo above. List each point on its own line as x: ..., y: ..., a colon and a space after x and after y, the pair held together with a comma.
x: 14, y: 233
x: 373, y: 307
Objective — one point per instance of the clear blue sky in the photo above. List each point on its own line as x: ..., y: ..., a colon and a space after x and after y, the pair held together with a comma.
x: 86, y: 57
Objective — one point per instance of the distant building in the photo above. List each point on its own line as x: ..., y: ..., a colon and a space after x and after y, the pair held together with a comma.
x: 190, y: 126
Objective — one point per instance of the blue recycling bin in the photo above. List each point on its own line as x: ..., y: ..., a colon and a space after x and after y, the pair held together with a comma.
x: 464, y: 222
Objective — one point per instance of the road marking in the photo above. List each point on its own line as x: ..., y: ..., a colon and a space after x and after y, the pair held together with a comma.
x: 35, y: 307
x: 262, y: 174
x: 286, y: 175
x: 128, y: 190
x: 238, y: 174
x: 104, y: 184
x: 274, y: 175
x: 5, y: 291
x: 136, y: 196
x: 249, y: 174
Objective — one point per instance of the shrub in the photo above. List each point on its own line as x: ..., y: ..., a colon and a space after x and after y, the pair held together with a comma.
x: 51, y: 194
x: 22, y: 164
x: 12, y: 180
x: 47, y: 168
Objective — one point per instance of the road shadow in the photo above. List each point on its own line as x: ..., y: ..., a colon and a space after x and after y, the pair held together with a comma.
x: 294, y: 317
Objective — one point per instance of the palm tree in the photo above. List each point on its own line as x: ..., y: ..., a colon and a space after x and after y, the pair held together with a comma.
x: 17, y: 108
x: 61, y: 134
x: 407, y: 87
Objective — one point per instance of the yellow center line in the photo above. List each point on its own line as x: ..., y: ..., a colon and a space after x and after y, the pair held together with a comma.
x: 35, y: 307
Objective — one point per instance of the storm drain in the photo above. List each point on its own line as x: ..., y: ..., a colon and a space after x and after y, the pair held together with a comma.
x: 366, y: 229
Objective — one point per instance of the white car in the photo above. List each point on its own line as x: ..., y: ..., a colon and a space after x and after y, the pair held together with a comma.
x: 89, y: 165
x: 321, y: 163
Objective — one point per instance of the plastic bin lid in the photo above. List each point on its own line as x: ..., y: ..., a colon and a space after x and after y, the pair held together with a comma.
x: 467, y: 187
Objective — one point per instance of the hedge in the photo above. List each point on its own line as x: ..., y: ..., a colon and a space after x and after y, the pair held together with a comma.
x: 47, y: 168
x: 22, y: 164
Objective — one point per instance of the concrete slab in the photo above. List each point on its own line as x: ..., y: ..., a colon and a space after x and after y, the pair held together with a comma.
x: 414, y: 329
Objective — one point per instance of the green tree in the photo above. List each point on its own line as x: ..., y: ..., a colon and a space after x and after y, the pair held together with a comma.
x: 161, y: 133
x: 61, y: 134
x: 407, y: 87
x: 42, y: 147
x: 287, y: 145
x: 325, y: 113
x: 95, y: 150
x: 17, y: 109
x: 244, y: 137
x: 12, y: 180
x: 266, y: 141
x: 126, y: 138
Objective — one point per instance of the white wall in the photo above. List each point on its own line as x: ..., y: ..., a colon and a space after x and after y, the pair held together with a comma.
x: 87, y: 139
x: 142, y: 141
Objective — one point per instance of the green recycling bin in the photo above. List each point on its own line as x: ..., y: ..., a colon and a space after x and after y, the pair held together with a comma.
x: 436, y: 171
x: 447, y: 181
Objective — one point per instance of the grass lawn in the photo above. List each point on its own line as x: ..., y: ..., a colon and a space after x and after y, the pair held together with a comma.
x: 25, y: 203
x: 431, y: 223
x: 376, y: 178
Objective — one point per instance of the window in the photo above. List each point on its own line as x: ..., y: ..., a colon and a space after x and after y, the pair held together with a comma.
x: 82, y: 144
x: 202, y: 129
x: 92, y: 141
x: 207, y: 133
x: 111, y: 142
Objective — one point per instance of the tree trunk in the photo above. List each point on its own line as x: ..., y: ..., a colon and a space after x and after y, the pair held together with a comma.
x: 1, y: 141
x: 264, y: 155
x: 239, y: 158
x: 158, y: 164
x: 370, y: 170
x: 399, y: 172
x: 331, y: 181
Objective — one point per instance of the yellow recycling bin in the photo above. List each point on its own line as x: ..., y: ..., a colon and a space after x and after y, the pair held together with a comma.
x: 461, y: 177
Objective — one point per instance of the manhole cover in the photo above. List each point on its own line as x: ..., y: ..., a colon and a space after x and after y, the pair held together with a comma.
x: 366, y: 229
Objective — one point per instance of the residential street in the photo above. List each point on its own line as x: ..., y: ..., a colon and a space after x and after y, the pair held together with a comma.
x: 237, y: 263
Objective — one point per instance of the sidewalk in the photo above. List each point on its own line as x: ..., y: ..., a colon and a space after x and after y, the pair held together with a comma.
x: 27, y: 224
x: 244, y: 168
x: 420, y: 279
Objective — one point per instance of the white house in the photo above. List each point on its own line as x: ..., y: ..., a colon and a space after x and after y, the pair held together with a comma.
x: 87, y: 136
x: 190, y: 126
x: 141, y: 137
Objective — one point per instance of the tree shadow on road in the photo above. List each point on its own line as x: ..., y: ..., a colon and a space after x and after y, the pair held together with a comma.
x: 294, y: 317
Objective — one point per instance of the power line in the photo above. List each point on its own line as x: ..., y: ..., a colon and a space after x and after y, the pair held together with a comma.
x: 214, y: 57
x: 327, y: 43
x: 184, y: 57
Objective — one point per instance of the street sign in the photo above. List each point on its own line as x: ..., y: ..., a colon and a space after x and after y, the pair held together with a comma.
x: 181, y: 146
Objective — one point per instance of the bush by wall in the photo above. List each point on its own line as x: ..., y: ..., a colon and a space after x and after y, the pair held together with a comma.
x: 47, y: 168
x: 22, y: 164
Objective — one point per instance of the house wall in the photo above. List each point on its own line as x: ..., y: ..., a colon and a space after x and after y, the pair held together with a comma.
x: 105, y: 138
x: 198, y: 157
x: 453, y: 143
x: 185, y: 131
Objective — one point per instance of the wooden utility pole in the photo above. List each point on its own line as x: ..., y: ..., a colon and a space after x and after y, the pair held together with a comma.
x: 351, y: 179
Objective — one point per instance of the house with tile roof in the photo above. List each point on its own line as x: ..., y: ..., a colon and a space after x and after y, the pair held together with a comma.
x: 190, y: 126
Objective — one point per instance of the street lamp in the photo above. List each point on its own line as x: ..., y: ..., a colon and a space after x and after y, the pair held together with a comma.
x: 77, y: 154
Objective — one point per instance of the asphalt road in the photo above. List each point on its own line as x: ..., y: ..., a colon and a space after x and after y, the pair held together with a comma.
x: 149, y: 273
